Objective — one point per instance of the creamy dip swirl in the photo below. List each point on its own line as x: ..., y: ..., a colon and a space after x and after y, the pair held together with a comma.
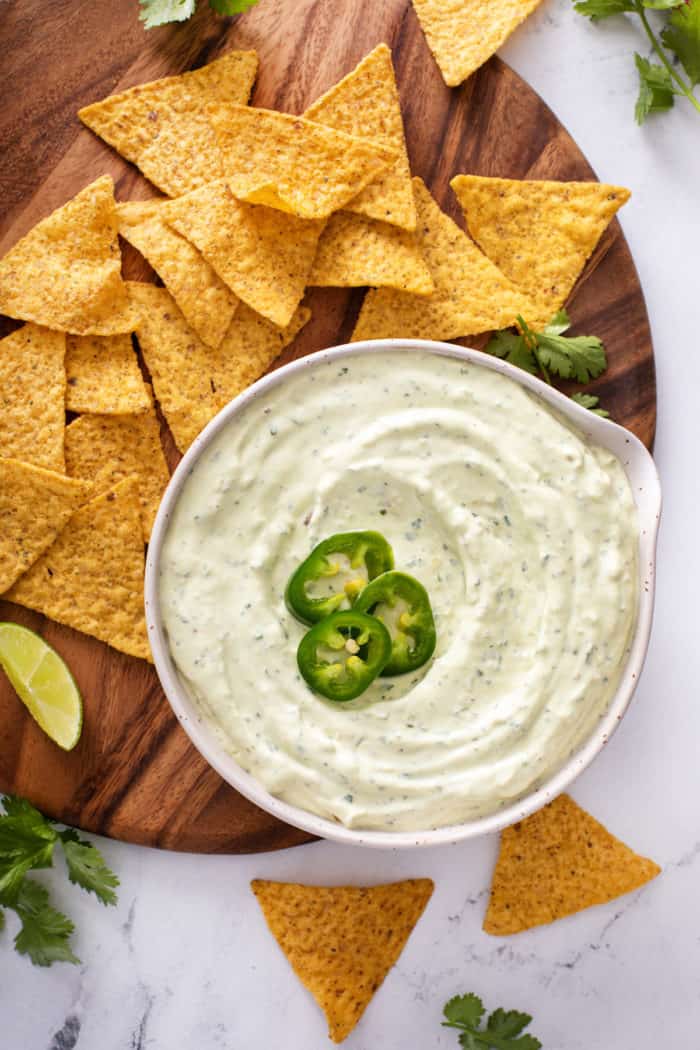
x: 524, y: 534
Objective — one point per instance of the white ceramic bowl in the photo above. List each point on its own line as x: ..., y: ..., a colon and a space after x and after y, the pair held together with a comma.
x: 644, y: 481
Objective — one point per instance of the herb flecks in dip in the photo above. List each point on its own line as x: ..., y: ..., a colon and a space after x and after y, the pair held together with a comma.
x: 525, y: 535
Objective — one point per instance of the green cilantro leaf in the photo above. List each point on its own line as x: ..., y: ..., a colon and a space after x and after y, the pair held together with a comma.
x: 86, y: 867
x: 511, y: 347
x: 662, y: 5
x: 581, y: 357
x: 659, y: 84
x: 597, y: 9
x: 231, y: 7
x: 508, y: 1023
x: 591, y: 402
x: 656, y: 91
x: 158, y: 12
x: 682, y: 36
x: 558, y: 324
x: 27, y: 841
x: 464, y: 1009
x: 468, y: 1041
x: 45, y: 933
x: 503, y: 1028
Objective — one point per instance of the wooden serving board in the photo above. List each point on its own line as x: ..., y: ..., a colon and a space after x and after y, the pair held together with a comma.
x: 134, y: 774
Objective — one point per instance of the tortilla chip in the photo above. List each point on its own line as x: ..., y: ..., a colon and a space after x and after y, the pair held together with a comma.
x: 463, y: 34
x: 365, y: 103
x: 192, y: 381
x: 355, y: 251
x: 107, y: 449
x: 341, y: 941
x: 103, y: 375
x: 558, y: 862
x: 471, y: 295
x: 163, y: 126
x: 66, y: 272
x: 292, y: 164
x: 264, y: 255
x: 35, y: 504
x: 32, y: 396
x: 91, y: 577
x: 539, y: 233
x: 207, y: 303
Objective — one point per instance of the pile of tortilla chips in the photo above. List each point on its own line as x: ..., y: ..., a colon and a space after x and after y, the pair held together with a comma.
x: 260, y: 205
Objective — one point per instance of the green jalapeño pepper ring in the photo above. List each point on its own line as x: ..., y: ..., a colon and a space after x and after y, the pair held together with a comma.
x: 343, y: 654
x: 335, y: 572
x: 403, y: 606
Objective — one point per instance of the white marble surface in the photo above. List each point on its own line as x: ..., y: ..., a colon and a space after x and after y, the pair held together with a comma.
x: 185, y: 960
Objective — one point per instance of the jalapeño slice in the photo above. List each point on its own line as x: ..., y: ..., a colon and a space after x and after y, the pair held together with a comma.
x: 343, y: 654
x: 403, y: 606
x: 335, y: 572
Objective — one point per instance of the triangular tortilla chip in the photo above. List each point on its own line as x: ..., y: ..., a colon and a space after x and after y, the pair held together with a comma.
x: 163, y: 126
x: 264, y: 255
x: 558, y: 862
x: 107, y: 449
x: 66, y: 272
x: 355, y: 251
x: 103, y: 375
x: 192, y: 381
x: 365, y: 103
x: 293, y: 164
x: 32, y: 396
x: 540, y: 234
x: 91, y: 577
x: 207, y: 303
x: 341, y: 941
x: 35, y: 504
x: 471, y: 294
x: 463, y: 34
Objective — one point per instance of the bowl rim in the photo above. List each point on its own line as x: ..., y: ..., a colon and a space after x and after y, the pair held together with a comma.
x: 622, y: 443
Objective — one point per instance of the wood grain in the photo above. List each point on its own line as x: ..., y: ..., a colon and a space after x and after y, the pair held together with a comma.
x: 134, y: 774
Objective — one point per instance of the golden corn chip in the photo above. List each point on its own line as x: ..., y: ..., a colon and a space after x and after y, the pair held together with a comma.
x: 555, y: 863
x: 91, y: 577
x: 365, y: 103
x: 463, y: 34
x: 35, y: 504
x: 471, y: 294
x: 341, y: 941
x: 163, y: 126
x: 262, y: 254
x: 103, y: 375
x: 66, y: 272
x: 206, y: 302
x: 293, y: 164
x: 354, y: 251
x: 107, y: 449
x: 192, y: 381
x: 540, y: 234
x: 32, y: 396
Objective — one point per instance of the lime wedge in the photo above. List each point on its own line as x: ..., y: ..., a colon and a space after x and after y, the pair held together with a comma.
x: 43, y: 683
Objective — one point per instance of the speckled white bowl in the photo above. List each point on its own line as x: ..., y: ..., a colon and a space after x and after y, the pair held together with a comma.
x: 644, y: 481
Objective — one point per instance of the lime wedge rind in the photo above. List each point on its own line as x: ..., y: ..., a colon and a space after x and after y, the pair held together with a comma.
x: 43, y: 683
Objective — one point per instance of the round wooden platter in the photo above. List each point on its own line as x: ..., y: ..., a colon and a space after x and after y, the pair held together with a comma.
x: 134, y: 774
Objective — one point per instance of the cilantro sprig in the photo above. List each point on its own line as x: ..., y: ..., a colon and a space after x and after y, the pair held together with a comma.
x: 159, y: 12
x: 660, y: 84
x: 551, y: 352
x: 27, y: 842
x: 503, y: 1030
